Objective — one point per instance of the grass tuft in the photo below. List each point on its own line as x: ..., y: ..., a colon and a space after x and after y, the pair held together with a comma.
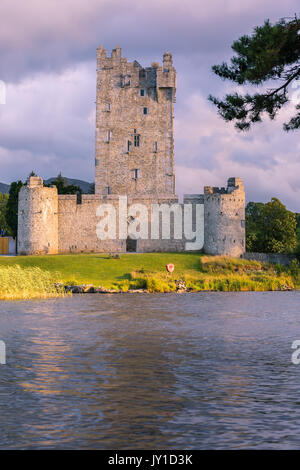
x: 18, y: 283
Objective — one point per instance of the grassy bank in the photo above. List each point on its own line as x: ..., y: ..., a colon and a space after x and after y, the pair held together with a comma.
x: 35, y: 276
x: 27, y: 283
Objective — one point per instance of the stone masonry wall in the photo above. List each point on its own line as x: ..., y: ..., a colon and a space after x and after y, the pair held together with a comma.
x: 134, y: 150
x: 37, y: 218
x: 49, y: 223
x: 224, y: 219
x: 77, y: 225
x: 278, y: 258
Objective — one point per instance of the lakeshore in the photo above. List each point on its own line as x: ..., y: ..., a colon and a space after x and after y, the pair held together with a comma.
x: 34, y: 277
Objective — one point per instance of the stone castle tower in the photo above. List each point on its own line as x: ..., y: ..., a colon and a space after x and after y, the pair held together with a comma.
x: 224, y: 216
x: 37, y: 218
x: 134, y: 126
x: 134, y: 157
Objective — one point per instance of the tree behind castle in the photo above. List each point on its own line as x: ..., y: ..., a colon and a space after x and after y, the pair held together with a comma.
x: 270, y: 228
x: 64, y: 188
x: 12, y: 207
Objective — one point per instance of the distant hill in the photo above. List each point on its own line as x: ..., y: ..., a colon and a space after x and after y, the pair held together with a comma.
x: 4, y: 188
x: 84, y: 185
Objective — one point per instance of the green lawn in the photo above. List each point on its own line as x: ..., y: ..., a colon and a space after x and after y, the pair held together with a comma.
x: 100, y: 269
x: 132, y: 271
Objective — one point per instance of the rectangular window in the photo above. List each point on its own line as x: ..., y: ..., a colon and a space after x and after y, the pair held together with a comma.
x: 136, y: 139
x: 136, y: 173
x: 108, y: 190
x: 109, y: 135
x: 155, y: 146
x: 142, y: 92
x: 108, y: 107
x: 145, y: 110
x: 128, y: 145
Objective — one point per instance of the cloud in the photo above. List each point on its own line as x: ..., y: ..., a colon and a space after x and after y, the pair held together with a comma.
x: 47, y: 124
x: 50, y: 34
x: 209, y: 151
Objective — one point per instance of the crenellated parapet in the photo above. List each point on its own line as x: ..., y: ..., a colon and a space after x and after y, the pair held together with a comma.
x: 166, y: 75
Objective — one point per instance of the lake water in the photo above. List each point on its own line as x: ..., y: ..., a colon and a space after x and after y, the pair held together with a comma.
x: 138, y: 371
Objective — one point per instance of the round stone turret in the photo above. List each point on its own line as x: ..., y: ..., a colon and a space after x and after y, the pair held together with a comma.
x: 224, y: 219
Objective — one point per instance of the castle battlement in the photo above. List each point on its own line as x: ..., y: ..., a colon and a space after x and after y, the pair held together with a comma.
x: 233, y: 185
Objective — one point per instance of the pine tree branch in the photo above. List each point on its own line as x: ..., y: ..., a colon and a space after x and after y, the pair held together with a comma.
x: 285, y: 85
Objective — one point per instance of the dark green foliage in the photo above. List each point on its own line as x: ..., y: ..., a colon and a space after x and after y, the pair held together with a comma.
x: 3, y: 206
x: 270, y: 228
x: 254, y: 227
x: 298, y: 234
x: 64, y: 188
x: 294, y: 269
x: 92, y: 188
x: 272, y: 52
x: 12, y: 207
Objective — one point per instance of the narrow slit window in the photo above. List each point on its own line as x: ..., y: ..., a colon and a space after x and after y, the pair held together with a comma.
x: 108, y: 190
x: 136, y: 173
x: 108, y: 135
x: 137, y: 140
x: 128, y: 145
x: 155, y: 147
x: 108, y: 107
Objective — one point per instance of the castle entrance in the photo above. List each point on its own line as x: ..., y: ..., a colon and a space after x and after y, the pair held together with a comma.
x: 131, y: 245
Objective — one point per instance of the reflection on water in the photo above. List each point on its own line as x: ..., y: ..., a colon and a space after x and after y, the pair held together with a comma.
x: 208, y: 370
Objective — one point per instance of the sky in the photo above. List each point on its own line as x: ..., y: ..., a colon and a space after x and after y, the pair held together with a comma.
x: 48, y: 65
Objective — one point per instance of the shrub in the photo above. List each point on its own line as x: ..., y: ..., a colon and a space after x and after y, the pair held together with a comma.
x: 294, y: 268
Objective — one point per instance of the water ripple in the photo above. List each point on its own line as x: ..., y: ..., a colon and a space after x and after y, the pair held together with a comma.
x: 197, y: 371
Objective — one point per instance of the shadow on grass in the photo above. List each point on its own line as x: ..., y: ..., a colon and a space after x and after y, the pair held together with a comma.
x: 126, y: 276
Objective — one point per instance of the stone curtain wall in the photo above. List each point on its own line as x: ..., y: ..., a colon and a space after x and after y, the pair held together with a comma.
x: 51, y: 223
x: 77, y: 226
x: 278, y: 258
